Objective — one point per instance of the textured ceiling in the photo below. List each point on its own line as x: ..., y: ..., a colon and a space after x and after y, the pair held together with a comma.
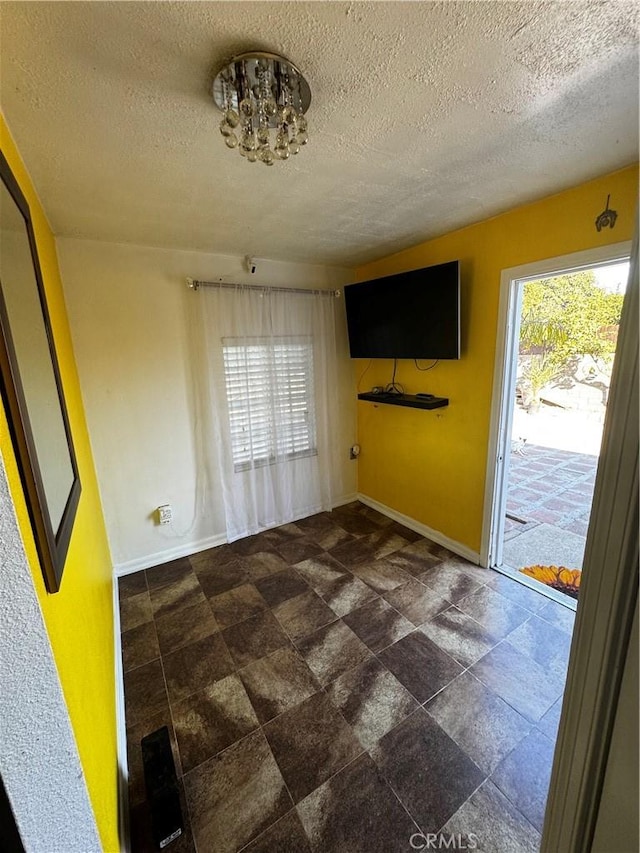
x: 425, y: 117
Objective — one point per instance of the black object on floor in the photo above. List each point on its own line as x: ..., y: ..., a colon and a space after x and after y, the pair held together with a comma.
x: 162, y: 788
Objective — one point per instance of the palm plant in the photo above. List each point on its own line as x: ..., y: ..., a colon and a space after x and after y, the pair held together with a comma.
x: 540, y: 341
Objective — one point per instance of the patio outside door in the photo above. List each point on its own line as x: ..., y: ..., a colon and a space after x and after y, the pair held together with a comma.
x: 561, y: 329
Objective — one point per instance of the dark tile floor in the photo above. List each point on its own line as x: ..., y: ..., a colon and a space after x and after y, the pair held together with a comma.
x: 339, y: 684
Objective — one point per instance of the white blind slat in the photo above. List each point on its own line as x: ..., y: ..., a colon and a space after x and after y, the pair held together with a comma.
x: 270, y: 400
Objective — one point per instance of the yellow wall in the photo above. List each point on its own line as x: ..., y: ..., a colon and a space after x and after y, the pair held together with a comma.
x: 79, y: 617
x: 431, y: 466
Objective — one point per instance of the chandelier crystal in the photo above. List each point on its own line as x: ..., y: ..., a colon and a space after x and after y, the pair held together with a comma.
x: 263, y: 98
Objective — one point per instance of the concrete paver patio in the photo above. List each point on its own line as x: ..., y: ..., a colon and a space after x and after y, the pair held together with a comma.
x: 554, y: 488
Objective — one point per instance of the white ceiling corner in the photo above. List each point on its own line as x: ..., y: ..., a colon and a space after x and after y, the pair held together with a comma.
x: 425, y: 117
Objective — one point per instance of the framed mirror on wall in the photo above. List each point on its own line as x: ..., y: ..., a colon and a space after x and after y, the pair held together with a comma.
x: 31, y: 387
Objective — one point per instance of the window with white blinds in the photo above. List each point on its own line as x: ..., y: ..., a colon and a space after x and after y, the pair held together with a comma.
x: 271, y: 402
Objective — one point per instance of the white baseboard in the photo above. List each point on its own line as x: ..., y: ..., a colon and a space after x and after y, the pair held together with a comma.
x: 189, y: 548
x: 184, y: 550
x: 423, y: 530
x: 346, y: 499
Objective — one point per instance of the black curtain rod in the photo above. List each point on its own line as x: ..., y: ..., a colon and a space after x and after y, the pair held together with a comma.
x: 196, y: 284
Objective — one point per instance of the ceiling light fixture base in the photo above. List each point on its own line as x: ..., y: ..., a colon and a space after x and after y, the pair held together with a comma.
x: 258, y: 93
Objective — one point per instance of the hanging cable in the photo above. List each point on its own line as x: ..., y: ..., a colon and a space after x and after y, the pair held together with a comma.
x: 362, y: 375
x: 394, y: 387
x: 431, y: 366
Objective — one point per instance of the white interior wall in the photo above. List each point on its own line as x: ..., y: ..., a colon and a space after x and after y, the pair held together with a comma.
x: 617, y: 823
x: 128, y: 308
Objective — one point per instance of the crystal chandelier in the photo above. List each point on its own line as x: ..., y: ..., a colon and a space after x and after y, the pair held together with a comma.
x: 263, y: 98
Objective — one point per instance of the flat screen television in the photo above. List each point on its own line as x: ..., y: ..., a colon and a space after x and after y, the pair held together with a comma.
x: 410, y: 315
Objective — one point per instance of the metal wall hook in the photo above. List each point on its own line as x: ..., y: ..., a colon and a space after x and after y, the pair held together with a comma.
x: 607, y: 217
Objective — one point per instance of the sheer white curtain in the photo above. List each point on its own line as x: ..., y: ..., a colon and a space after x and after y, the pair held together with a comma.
x: 270, y: 362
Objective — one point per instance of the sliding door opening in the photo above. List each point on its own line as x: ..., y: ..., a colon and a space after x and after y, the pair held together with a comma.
x: 554, y: 378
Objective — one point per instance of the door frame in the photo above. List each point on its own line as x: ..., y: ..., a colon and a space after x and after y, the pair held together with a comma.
x: 504, y: 381
x: 608, y: 602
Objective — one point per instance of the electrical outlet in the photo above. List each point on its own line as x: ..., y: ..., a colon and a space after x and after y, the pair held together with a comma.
x: 165, y: 514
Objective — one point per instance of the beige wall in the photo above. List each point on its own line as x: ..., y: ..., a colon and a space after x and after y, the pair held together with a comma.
x: 128, y: 308
x: 617, y: 825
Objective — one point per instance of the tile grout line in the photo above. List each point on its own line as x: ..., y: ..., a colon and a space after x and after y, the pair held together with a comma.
x: 508, y: 797
x: 182, y: 774
x: 388, y: 782
x: 372, y: 655
x: 400, y: 801
x: 263, y: 832
x: 175, y: 734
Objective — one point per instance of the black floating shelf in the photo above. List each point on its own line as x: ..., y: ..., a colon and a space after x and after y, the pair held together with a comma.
x: 409, y: 400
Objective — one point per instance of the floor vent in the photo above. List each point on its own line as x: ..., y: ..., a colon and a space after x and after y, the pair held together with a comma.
x: 162, y: 788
